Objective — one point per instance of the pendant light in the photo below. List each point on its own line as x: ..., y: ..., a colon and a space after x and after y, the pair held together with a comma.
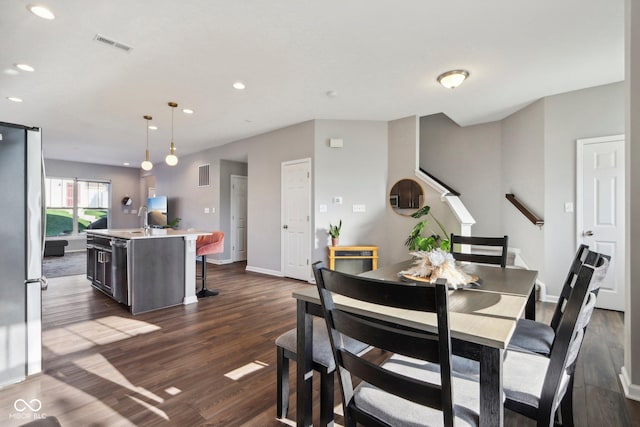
x: 171, y: 158
x: 147, y: 165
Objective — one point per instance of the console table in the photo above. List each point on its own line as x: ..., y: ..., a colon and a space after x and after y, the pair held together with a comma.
x: 353, y: 259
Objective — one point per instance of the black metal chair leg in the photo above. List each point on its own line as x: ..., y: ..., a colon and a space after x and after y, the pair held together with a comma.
x: 204, y: 292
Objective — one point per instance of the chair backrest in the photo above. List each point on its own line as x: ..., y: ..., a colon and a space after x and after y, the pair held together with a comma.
x: 432, y: 347
x: 583, y: 256
x: 495, y: 242
x: 569, y: 336
x: 576, y: 264
x: 210, y: 243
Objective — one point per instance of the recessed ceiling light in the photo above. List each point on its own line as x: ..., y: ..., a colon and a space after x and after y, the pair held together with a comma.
x: 126, y: 163
x: 152, y: 127
x: 239, y: 85
x: 187, y: 111
x: 14, y: 99
x: 452, y: 79
x: 25, y: 67
x: 41, y: 11
x: 11, y: 72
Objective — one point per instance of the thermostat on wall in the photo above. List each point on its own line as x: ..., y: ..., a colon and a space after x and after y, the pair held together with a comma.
x: 335, y: 143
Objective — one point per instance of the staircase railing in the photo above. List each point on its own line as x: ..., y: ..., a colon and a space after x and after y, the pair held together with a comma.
x: 535, y: 220
x: 448, y: 188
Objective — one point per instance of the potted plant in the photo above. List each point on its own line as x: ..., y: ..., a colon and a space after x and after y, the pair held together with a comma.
x: 174, y: 224
x: 417, y: 242
x: 334, y: 232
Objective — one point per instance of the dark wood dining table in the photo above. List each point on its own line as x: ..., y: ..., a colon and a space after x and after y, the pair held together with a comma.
x: 482, y: 320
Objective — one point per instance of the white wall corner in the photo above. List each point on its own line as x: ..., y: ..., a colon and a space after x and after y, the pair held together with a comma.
x: 518, y: 261
x: 631, y: 391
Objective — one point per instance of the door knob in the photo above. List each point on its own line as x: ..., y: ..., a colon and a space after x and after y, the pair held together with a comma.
x: 588, y: 233
x: 285, y: 226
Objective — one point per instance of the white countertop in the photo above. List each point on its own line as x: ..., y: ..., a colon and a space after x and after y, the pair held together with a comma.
x: 152, y: 233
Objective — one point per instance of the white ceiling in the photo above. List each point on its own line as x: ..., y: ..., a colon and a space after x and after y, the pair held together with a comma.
x: 380, y: 56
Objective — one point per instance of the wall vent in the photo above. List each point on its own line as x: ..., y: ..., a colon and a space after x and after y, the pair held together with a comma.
x: 203, y: 175
x: 118, y: 45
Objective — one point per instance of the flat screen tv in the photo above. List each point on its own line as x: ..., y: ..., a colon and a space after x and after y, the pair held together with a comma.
x: 157, y: 211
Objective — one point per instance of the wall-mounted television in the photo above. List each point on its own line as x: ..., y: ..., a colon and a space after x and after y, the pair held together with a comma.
x: 157, y: 211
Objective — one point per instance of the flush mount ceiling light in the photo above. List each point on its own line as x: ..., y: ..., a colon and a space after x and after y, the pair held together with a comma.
x: 147, y: 165
x: 41, y: 11
x: 171, y: 158
x: 187, y: 110
x: 152, y: 127
x: 25, y: 67
x: 452, y: 79
x: 239, y: 85
x: 14, y: 99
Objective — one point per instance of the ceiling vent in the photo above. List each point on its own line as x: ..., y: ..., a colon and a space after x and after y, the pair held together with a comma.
x: 203, y: 175
x: 106, y: 40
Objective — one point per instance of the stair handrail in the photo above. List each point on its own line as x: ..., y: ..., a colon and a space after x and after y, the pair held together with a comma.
x: 535, y: 220
x: 448, y: 188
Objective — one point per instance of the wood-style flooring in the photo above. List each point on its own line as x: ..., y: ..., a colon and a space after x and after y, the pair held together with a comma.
x: 105, y: 367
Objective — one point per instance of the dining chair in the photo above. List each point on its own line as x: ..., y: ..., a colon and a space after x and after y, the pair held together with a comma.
x: 541, y: 387
x: 207, y: 245
x: 538, y: 337
x: 395, y: 393
x: 495, y: 243
x: 537, y: 386
x: 322, y: 362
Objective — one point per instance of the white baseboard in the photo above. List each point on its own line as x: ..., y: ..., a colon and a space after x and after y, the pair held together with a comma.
x: 631, y: 391
x: 264, y: 271
x: 219, y: 261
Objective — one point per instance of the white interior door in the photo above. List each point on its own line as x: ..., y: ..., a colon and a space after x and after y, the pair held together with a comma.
x: 296, y: 208
x: 600, y: 209
x: 238, y: 218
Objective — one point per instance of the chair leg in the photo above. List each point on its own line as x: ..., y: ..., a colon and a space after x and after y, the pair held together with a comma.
x: 566, y: 406
x: 282, y: 405
x: 204, y: 292
x: 326, y: 398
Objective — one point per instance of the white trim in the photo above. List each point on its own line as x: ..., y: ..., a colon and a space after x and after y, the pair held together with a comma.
x: 189, y: 271
x: 631, y: 391
x: 219, y: 261
x: 264, y: 271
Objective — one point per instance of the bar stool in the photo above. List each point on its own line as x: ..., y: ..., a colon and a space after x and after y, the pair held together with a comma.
x: 206, y: 245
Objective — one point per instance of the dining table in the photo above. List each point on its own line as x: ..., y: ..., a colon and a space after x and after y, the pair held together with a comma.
x: 482, y: 318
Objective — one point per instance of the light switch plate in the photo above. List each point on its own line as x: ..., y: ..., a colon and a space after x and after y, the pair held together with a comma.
x: 568, y: 207
x: 322, y: 208
x: 337, y: 200
x: 359, y: 208
x: 206, y: 210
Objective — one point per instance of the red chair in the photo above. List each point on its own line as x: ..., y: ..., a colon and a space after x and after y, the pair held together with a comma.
x: 206, y: 245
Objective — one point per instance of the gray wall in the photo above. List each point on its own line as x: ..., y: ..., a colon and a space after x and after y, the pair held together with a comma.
x: 124, y: 182
x: 469, y: 160
x: 632, y: 112
x: 523, y: 175
x: 263, y: 156
x: 587, y: 113
x: 357, y: 173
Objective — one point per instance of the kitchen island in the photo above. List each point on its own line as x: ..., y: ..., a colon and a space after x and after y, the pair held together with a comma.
x: 143, y: 269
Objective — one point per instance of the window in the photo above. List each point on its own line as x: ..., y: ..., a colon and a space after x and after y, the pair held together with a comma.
x: 73, y: 204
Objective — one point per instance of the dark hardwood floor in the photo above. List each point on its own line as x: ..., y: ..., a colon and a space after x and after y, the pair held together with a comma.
x: 105, y: 367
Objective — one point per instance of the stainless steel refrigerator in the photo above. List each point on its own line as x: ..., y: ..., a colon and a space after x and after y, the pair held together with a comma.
x: 21, y: 242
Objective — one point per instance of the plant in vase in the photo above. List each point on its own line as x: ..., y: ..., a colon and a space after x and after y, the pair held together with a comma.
x: 433, y: 259
x: 334, y: 232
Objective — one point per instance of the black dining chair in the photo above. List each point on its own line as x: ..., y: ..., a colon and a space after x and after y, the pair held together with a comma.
x: 397, y: 392
x: 541, y: 387
x: 493, y: 244
x: 322, y: 362
x: 538, y: 337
